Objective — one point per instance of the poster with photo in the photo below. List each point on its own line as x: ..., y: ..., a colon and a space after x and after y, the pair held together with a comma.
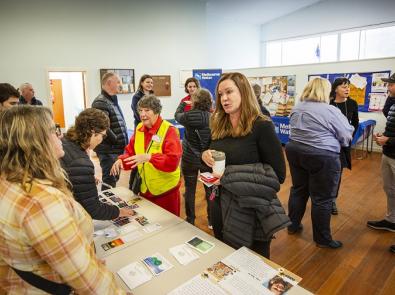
x: 364, y: 86
x: 126, y: 76
x: 379, y: 85
x: 377, y: 101
x: 277, y: 93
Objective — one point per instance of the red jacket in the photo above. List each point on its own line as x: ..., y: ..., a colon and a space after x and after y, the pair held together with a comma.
x: 188, y: 106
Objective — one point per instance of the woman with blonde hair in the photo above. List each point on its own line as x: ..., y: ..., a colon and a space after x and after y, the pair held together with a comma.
x: 246, y: 210
x: 318, y: 130
x: 45, y: 234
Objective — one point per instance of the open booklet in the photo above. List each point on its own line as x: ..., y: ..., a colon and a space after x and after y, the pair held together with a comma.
x: 242, y: 272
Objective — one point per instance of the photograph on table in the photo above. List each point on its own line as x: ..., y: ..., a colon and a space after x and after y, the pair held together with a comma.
x: 277, y: 93
x: 157, y: 263
x: 142, y: 220
x: 278, y: 284
x: 220, y: 271
x: 112, y: 244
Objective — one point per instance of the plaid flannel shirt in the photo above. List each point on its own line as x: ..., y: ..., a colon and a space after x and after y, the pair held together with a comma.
x: 48, y: 233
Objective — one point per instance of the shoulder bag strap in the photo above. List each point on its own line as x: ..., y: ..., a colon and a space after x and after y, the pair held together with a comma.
x: 43, y: 284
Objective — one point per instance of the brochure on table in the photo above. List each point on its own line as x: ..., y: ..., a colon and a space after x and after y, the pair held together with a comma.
x: 242, y: 272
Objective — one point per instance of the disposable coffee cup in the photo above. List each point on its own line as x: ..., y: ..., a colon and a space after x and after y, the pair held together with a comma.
x: 219, y: 162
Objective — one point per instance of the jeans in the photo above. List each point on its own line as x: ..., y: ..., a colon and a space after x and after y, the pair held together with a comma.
x: 315, y: 174
x: 190, y: 173
x: 106, y: 162
x: 388, y: 174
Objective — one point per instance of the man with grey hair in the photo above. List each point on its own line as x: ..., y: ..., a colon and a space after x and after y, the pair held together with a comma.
x: 27, y: 95
x: 117, y: 136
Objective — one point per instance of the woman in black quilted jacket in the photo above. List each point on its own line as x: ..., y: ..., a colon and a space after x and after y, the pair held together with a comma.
x: 88, y: 132
x: 196, y: 140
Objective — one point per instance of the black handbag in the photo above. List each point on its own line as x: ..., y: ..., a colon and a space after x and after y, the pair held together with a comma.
x: 135, y: 181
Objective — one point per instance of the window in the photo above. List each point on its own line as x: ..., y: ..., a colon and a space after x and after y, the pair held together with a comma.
x: 379, y: 42
x: 352, y: 45
x: 328, y: 48
x: 349, y: 45
x: 273, y: 54
x: 301, y: 51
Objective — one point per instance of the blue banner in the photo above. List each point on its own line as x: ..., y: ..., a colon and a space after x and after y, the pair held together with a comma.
x: 282, y: 128
x: 208, y: 79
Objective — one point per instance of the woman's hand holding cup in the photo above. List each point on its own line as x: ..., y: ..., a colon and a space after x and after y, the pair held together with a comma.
x: 207, y: 158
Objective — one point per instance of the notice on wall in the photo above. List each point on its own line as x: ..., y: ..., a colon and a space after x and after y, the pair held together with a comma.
x: 277, y: 93
x: 162, y: 85
x: 366, y: 88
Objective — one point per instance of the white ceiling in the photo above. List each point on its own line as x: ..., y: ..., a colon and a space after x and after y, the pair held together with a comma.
x: 255, y: 11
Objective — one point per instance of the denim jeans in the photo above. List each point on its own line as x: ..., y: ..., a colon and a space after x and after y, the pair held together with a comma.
x: 388, y: 174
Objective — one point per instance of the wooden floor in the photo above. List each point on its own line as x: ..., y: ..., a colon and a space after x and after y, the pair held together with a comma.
x: 364, y: 265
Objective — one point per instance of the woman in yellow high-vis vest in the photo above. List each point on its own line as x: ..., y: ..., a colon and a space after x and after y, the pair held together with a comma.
x: 155, y: 150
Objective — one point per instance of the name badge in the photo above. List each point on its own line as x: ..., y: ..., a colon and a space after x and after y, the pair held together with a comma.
x: 156, y: 138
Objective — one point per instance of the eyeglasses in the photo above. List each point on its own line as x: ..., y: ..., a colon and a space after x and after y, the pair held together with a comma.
x: 103, y: 134
x: 56, y: 129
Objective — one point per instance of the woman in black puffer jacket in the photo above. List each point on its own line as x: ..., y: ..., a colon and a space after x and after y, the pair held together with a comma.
x: 196, y: 140
x: 88, y: 132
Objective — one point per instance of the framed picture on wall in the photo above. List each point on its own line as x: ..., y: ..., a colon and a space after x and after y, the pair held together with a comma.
x: 162, y: 85
x: 127, y: 78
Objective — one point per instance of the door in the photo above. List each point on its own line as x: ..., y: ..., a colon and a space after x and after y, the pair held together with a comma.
x: 57, y: 101
x: 68, y: 92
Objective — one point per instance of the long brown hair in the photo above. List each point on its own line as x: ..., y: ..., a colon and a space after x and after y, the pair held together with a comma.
x: 26, y: 151
x: 220, y: 121
x: 142, y: 79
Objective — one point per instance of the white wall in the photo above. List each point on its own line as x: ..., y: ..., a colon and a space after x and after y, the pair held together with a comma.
x: 329, y: 15
x: 232, y: 44
x: 155, y: 37
x: 302, y: 72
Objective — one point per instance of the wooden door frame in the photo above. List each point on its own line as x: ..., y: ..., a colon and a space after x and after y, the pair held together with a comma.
x: 65, y: 70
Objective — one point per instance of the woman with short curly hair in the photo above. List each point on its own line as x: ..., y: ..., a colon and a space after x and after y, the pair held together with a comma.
x: 88, y: 131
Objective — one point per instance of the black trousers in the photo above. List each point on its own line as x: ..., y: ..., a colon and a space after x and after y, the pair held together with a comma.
x: 260, y: 247
x: 315, y: 174
x: 190, y: 173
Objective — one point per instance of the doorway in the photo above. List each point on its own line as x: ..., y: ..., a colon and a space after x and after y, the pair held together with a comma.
x: 68, y: 96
